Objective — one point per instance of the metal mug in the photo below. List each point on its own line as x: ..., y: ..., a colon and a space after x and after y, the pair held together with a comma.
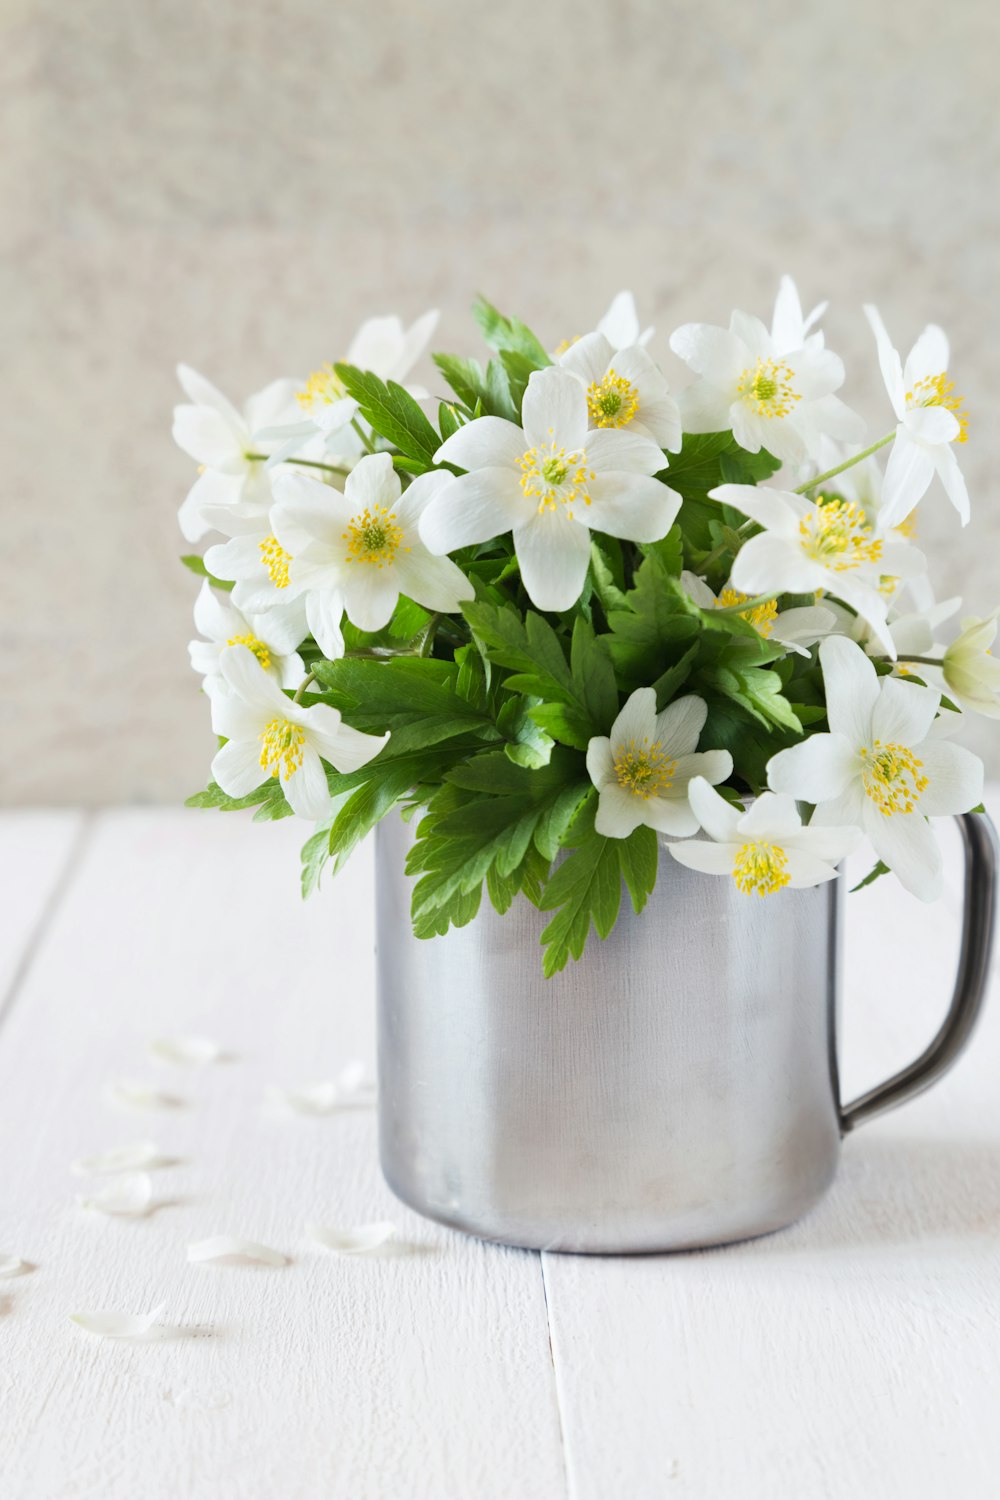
x: 675, y: 1088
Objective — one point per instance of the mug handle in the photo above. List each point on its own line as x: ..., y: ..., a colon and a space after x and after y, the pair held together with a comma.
x: 979, y: 840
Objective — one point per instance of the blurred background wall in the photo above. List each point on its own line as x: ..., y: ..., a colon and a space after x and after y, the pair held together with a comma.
x: 236, y: 183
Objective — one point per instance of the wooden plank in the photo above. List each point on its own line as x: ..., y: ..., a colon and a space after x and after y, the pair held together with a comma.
x: 856, y: 1353
x: 425, y: 1373
x: 36, y: 848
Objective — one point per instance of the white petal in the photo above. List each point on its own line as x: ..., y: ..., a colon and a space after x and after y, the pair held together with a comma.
x: 852, y: 690
x: 307, y: 1099
x: 636, y: 719
x: 620, y: 324
x: 415, y: 499
x: 805, y: 869
x: 713, y: 765
x: 11, y: 1266
x: 325, y: 614
x: 127, y: 1196
x: 236, y: 767
x: 718, y: 817
x: 553, y: 554
x: 680, y: 724
x: 370, y: 595
x: 933, y: 424
x: 114, y: 1325
x: 906, y: 843
x: 361, y: 1239
x: 904, y: 712
x: 715, y: 353
x: 306, y: 789
x: 928, y: 357
x: 889, y: 362
x: 771, y: 816
x: 554, y: 409
x: 953, y: 480
x: 827, y: 843
x: 670, y: 815
x: 142, y: 1096
x: 619, y: 812
x: 907, y: 474
x: 698, y: 590
x: 600, y: 761
x: 248, y: 680
x: 772, y: 564
x: 474, y: 508
x: 707, y: 859
x: 206, y: 437
x: 704, y: 407
x: 776, y: 510
x: 617, y: 451
x: 141, y: 1154
x: 232, y: 1249
x: 187, y: 1051
x: 817, y: 769
x: 435, y: 582
x: 631, y: 506
x: 588, y: 358
x: 346, y: 749
x: 203, y: 393
x: 373, y: 481
x: 486, y: 443
x: 955, y: 776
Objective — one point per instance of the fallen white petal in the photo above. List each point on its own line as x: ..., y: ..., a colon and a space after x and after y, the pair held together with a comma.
x: 141, y: 1096
x: 229, y: 1247
x: 128, y: 1196
x: 112, y: 1325
x: 187, y: 1051
x: 359, y: 1240
x: 10, y: 1266
x: 310, y: 1099
x: 120, y: 1159
x: 354, y: 1081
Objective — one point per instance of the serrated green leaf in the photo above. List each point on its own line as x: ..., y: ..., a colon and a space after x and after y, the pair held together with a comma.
x: 466, y: 378
x: 508, y: 334
x: 392, y: 412
x: 640, y: 862
x: 584, y: 890
x: 757, y: 690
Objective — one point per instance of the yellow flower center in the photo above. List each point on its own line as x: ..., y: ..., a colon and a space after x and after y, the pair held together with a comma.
x: 282, y: 748
x: 644, y: 769
x: 893, y: 777
x: 836, y: 534
x: 938, y: 390
x: 374, y: 537
x: 908, y: 527
x: 554, y: 477
x: 768, y: 388
x: 566, y: 344
x: 259, y: 649
x: 761, y: 617
x: 760, y: 868
x: 275, y: 560
x: 322, y: 389
x: 612, y: 402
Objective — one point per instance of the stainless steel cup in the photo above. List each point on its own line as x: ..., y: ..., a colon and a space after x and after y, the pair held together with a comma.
x: 675, y: 1088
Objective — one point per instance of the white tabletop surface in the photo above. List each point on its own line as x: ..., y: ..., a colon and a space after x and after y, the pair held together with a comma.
x: 857, y: 1354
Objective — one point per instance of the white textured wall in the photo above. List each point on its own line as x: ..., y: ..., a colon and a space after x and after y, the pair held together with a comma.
x: 234, y: 183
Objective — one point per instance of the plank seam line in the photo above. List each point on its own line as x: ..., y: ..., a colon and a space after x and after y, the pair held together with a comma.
x: 567, y: 1472
x: 56, y: 896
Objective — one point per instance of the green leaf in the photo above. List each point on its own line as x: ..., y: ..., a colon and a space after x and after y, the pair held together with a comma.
x: 584, y: 890
x: 873, y: 875
x: 534, y: 653
x: 640, y: 861
x: 608, y: 580
x: 406, y: 696
x: 708, y: 459
x: 465, y: 376
x: 508, y: 334
x: 499, y: 399
x: 755, y: 689
x: 670, y: 682
x: 196, y: 565
x: 269, y: 799
x: 447, y: 420
x: 315, y: 854
x: 392, y: 412
x: 654, y: 630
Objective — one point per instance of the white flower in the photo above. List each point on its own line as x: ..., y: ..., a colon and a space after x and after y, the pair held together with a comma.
x: 642, y: 772
x: 221, y: 439
x: 770, y: 395
x: 795, y: 628
x: 254, y: 559
x: 383, y: 347
x: 790, y: 329
x: 971, y: 673
x: 764, y: 849
x: 620, y: 324
x: 271, y: 637
x: 931, y: 417
x: 882, y: 767
x: 358, y: 551
x: 548, y: 484
x: 811, y: 544
x: 912, y: 624
x: 625, y: 389
x: 269, y: 735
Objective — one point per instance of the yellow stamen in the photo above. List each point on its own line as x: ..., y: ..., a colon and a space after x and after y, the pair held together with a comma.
x: 566, y: 344
x: 893, y: 777
x: 644, y: 769
x: 768, y: 388
x: 282, y: 748
x: 938, y: 390
x: 374, y: 536
x: 259, y: 649
x: 275, y: 560
x: 836, y: 534
x: 555, y: 477
x: 761, y: 617
x: 613, y: 401
x: 760, y: 868
x: 323, y: 388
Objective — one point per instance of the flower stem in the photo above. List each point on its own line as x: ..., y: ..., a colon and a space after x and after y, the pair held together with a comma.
x: 925, y: 661
x: 848, y: 463
x: 304, y: 463
x: 302, y: 687
x: 427, y: 644
x: 362, y: 434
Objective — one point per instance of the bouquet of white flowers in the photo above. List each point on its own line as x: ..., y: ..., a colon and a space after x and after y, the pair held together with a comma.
x: 560, y: 615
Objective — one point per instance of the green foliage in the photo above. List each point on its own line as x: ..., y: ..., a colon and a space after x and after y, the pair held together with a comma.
x: 196, y: 565
x: 268, y: 799
x: 509, y: 335
x: 392, y: 412
x: 706, y: 460
x: 878, y: 869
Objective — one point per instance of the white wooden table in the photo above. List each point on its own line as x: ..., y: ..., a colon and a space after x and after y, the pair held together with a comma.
x: 857, y: 1354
